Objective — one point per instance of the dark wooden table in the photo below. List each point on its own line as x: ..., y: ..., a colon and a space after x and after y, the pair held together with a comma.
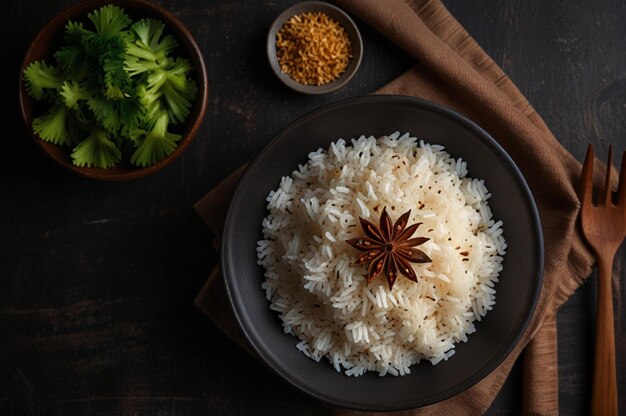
x: 97, y: 280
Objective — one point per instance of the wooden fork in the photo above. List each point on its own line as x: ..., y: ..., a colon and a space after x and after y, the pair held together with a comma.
x: 604, y: 227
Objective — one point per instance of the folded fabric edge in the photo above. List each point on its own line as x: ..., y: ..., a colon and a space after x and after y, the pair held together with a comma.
x: 217, y: 308
x: 540, y: 383
x: 212, y: 208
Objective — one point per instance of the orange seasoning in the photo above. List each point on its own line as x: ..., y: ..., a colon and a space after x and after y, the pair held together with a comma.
x: 313, y: 48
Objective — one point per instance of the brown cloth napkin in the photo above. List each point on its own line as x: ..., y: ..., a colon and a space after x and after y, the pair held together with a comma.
x: 454, y: 71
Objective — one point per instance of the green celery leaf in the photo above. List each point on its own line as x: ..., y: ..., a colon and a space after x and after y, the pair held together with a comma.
x: 97, y: 150
x: 71, y: 92
x: 149, y: 37
x: 109, y: 20
x: 72, y: 56
x: 151, y: 103
x: 52, y: 126
x: 117, y: 81
x: 105, y: 112
x: 136, y: 66
x: 156, y: 144
x: 177, y: 105
x: 131, y: 114
x: 40, y: 77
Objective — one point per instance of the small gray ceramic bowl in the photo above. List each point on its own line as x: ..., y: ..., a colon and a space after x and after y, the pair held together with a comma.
x: 333, y: 12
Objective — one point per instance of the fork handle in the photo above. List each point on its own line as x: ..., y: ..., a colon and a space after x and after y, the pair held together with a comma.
x: 604, y: 389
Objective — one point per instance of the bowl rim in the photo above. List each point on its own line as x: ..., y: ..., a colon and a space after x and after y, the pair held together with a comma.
x: 228, y: 235
x: 332, y: 86
x: 199, y: 106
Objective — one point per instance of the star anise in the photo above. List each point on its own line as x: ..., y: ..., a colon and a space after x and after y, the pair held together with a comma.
x: 390, y: 248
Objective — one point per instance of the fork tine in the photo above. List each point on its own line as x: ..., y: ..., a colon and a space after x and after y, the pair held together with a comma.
x: 621, y: 185
x: 608, y: 190
x: 586, y: 178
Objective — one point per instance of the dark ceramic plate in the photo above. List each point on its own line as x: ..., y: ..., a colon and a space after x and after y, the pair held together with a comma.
x: 512, y: 202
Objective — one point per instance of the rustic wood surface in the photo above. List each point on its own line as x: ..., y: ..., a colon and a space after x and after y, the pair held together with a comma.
x: 97, y: 280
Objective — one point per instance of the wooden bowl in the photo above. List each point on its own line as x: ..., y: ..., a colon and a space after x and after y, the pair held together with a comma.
x: 50, y: 38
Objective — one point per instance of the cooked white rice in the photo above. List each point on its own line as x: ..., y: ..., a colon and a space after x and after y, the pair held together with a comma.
x: 327, y: 303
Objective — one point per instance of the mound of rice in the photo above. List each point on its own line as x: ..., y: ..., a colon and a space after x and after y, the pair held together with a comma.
x: 327, y: 303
